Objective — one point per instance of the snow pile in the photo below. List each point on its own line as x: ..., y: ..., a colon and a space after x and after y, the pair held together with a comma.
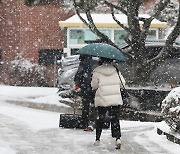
x: 36, y: 95
x: 171, y: 109
x: 25, y: 73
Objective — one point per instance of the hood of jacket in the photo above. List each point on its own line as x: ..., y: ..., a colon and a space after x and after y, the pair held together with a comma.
x: 106, y: 69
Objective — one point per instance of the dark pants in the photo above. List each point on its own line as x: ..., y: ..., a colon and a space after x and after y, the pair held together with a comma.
x: 114, y: 119
x: 87, y: 110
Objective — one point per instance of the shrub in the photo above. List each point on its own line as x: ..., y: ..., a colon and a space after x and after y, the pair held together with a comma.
x: 171, y: 109
x: 25, y: 73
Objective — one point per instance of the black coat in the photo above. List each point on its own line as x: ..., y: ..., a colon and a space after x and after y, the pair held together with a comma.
x: 83, y: 76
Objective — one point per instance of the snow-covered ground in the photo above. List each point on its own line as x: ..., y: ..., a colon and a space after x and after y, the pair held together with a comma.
x: 25, y: 130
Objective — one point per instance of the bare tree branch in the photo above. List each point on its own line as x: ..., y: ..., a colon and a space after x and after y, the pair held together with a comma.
x: 79, y: 15
x: 116, y: 7
x: 142, y: 66
x: 170, y: 40
x: 159, y: 7
x: 117, y: 21
x: 145, y: 29
x: 176, y: 31
x: 147, y: 22
x: 91, y: 25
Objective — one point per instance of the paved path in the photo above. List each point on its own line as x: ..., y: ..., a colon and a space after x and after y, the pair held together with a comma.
x: 65, y: 141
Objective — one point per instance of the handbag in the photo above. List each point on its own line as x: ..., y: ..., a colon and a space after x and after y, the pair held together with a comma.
x: 124, y: 93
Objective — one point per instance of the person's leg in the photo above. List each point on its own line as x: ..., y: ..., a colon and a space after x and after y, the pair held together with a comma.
x: 92, y: 113
x: 100, y: 121
x: 115, y: 124
x: 85, y: 112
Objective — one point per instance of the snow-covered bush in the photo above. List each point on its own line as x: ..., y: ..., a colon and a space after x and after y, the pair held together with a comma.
x: 171, y: 109
x: 25, y: 73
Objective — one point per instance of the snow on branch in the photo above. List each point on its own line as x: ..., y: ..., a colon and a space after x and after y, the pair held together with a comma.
x: 160, y: 6
x: 170, y: 40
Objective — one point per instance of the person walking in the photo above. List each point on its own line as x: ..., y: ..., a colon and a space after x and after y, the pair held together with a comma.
x: 82, y: 80
x: 106, y: 82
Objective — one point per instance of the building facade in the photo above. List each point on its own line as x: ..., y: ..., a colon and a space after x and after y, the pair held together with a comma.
x: 32, y: 31
x: 78, y: 34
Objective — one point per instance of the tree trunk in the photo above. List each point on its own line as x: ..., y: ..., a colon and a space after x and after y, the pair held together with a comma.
x: 140, y: 74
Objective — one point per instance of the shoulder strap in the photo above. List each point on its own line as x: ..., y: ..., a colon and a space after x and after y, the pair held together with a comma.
x: 119, y: 77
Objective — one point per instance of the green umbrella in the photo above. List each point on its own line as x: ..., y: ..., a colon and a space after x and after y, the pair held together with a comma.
x: 102, y: 50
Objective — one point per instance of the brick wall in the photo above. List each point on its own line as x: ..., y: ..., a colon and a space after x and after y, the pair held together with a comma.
x: 26, y: 29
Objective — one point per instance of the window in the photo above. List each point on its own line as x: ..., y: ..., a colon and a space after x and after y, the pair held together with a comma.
x: 82, y: 36
x: 48, y: 56
x: 78, y: 36
x: 151, y: 35
x: 74, y: 51
x: 90, y: 36
x: 118, y: 36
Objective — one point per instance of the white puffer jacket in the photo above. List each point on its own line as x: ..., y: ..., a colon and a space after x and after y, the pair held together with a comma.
x: 106, y: 80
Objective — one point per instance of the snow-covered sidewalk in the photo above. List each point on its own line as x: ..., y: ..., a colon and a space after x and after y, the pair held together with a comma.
x: 27, y: 130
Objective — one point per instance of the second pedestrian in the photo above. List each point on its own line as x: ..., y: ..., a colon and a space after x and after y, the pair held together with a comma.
x: 106, y: 82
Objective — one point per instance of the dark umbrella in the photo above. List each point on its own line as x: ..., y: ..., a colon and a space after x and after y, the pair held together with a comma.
x: 102, y: 50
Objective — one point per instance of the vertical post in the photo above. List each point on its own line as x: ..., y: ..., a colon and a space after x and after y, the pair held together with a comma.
x: 55, y: 68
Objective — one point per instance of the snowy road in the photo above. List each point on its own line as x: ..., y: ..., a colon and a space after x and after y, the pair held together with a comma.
x: 26, y: 131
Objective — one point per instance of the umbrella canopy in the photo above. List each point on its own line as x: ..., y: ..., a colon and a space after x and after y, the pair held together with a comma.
x: 102, y: 50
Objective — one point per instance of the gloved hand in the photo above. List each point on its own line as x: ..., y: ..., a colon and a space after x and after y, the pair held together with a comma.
x: 76, y: 87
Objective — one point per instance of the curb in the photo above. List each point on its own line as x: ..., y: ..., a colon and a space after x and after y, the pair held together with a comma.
x: 170, y: 137
x: 43, y: 106
x: 140, y: 116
